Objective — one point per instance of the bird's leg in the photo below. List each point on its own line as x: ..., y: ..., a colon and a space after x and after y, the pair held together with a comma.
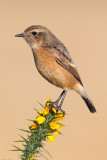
x: 55, y: 104
x: 62, y: 100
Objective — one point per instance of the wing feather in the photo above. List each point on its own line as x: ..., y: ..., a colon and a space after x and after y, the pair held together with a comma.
x: 68, y: 66
x: 64, y: 59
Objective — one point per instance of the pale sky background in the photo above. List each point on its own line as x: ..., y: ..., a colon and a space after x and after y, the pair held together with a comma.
x: 82, y: 26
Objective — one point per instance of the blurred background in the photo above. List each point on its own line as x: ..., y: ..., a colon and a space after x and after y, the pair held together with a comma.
x: 82, y: 26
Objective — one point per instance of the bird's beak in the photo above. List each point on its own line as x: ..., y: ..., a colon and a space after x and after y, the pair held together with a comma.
x: 19, y: 35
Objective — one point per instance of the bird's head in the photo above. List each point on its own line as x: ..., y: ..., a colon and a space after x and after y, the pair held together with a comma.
x: 37, y: 36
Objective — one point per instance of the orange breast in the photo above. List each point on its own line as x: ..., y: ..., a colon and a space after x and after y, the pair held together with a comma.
x: 52, y: 71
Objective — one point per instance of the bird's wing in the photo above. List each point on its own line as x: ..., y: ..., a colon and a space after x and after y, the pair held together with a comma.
x: 60, y: 59
x: 60, y: 47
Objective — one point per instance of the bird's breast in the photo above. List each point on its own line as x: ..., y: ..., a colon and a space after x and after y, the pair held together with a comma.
x: 51, y: 70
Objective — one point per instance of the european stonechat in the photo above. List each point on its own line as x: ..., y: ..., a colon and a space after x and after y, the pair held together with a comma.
x: 54, y: 63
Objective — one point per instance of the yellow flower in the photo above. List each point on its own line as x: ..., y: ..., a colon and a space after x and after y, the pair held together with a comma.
x: 51, y: 138
x: 40, y: 119
x: 56, y: 119
x: 40, y: 112
x: 47, y: 102
x: 57, y: 132
x: 54, y: 125
x: 33, y: 126
x: 32, y: 157
x: 54, y: 109
x: 46, y: 111
x: 60, y: 115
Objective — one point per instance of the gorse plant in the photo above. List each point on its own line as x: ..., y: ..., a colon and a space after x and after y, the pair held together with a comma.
x: 43, y: 128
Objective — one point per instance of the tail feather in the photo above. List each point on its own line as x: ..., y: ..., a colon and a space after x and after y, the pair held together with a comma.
x: 82, y: 91
x: 89, y: 104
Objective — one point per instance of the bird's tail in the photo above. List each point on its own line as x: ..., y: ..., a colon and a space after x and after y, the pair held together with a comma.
x: 81, y: 90
x: 89, y: 104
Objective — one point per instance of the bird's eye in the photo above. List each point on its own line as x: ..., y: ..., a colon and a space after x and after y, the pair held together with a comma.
x: 34, y: 33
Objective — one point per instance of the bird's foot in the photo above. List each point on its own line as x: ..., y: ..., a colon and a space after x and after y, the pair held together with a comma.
x: 55, y: 105
x: 60, y: 109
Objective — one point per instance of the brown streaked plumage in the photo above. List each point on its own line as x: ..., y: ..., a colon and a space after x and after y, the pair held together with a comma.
x: 54, y: 63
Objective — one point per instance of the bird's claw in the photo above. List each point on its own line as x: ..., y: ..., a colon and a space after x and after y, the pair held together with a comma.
x: 55, y: 105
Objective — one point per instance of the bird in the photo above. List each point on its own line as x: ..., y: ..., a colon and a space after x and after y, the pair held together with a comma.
x: 53, y: 61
